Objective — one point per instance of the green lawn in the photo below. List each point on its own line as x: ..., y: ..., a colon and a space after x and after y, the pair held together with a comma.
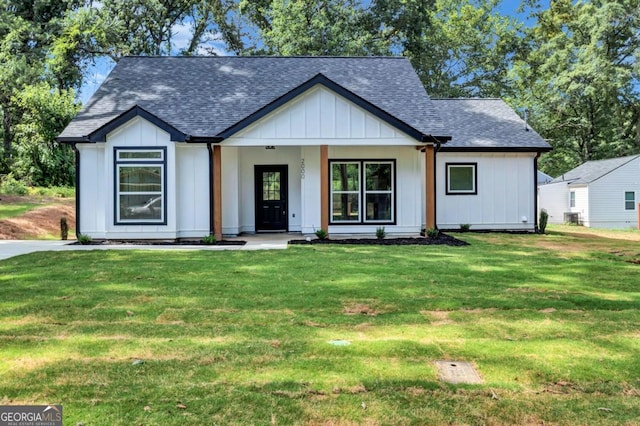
x: 551, y: 323
x: 17, y: 209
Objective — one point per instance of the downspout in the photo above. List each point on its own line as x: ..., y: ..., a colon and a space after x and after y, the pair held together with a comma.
x: 535, y: 193
x: 77, y: 158
x: 435, y: 183
x: 211, y: 198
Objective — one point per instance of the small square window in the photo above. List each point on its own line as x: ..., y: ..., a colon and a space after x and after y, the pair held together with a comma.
x: 629, y: 200
x: 461, y: 178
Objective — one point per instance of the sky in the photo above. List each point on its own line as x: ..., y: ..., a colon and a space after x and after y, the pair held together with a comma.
x: 96, y: 73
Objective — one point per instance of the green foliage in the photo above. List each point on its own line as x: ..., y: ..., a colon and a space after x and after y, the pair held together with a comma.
x: 84, y: 239
x: 53, y: 191
x: 11, y: 186
x: 381, y: 233
x: 542, y: 221
x: 578, y: 74
x: 432, y: 233
x: 39, y: 159
x: 322, y: 234
x: 464, y: 227
x: 209, y: 239
x: 64, y: 228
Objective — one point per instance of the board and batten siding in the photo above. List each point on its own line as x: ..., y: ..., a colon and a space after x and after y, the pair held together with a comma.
x: 505, y: 198
x: 606, y: 195
x: 186, y: 189
x: 319, y: 117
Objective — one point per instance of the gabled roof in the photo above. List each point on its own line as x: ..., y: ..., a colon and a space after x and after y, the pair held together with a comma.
x: 486, y: 124
x: 205, y: 98
x: 593, y: 170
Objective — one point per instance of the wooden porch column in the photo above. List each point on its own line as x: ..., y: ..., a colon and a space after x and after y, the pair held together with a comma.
x: 430, y: 187
x: 217, y: 192
x: 324, y: 187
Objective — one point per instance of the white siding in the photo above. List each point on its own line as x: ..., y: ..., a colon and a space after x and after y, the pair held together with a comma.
x: 247, y: 159
x: 505, y: 198
x: 138, y: 132
x: 93, y: 210
x: 192, y: 190
x: 407, y: 188
x: 582, y: 203
x: 607, y: 197
x: 319, y: 117
x: 554, y: 198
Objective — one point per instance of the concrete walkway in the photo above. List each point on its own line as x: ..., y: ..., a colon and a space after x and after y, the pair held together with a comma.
x: 11, y: 248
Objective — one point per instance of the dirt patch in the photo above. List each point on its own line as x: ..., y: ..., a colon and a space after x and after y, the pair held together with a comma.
x: 41, y: 222
x: 360, y: 309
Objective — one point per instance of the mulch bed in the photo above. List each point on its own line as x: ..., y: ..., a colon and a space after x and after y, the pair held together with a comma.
x: 442, y: 239
x: 161, y: 243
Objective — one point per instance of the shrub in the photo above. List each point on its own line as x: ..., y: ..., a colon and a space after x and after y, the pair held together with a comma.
x: 53, y: 191
x: 64, y: 228
x: 10, y: 186
x: 209, y: 239
x: 542, y: 222
x: 432, y: 233
x: 322, y: 234
x: 84, y: 239
x: 381, y: 233
x: 464, y: 227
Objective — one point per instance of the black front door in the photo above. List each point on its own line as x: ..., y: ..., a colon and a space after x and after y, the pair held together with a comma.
x: 271, y: 198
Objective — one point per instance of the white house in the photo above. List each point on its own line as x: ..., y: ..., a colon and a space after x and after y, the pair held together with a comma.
x: 597, y: 194
x: 182, y: 147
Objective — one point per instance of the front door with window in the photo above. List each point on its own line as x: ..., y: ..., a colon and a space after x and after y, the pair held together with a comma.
x: 271, y: 198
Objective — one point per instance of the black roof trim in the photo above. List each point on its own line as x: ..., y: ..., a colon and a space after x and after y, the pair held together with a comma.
x: 494, y: 149
x: 73, y: 140
x: 203, y: 139
x: 100, y: 135
x: 335, y: 87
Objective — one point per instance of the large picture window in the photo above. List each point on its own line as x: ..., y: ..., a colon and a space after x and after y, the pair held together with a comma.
x: 362, y: 191
x: 140, y: 186
x: 462, y: 178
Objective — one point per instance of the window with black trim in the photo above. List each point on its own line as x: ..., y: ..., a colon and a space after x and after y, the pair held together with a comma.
x: 629, y: 200
x: 140, y: 186
x: 461, y: 178
x: 362, y: 191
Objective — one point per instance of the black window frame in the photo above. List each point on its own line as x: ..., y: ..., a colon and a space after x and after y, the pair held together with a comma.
x: 448, y: 191
x: 362, y: 192
x: 140, y: 162
x: 632, y: 201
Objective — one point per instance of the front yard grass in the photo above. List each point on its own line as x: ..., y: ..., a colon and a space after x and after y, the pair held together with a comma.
x: 551, y: 323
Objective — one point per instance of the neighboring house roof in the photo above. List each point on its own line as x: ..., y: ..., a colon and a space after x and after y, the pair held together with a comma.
x: 543, y: 178
x: 593, y: 170
x: 214, y: 97
x: 486, y: 124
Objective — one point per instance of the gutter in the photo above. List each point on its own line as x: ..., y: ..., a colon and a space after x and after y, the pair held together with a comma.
x: 535, y: 193
x: 211, y: 197
x: 77, y: 155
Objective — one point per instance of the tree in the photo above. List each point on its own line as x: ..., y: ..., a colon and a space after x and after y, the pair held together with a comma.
x: 312, y: 27
x: 579, y: 77
x: 458, y: 47
x: 39, y: 159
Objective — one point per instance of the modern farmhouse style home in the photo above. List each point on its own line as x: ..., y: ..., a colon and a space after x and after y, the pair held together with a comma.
x: 182, y: 147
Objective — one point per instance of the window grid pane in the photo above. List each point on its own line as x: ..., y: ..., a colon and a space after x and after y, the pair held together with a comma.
x: 461, y: 178
x: 378, y: 193
x: 629, y: 200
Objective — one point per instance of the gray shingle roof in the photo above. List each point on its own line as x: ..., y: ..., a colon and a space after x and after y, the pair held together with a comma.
x: 203, y: 96
x: 486, y: 124
x: 593, y: 170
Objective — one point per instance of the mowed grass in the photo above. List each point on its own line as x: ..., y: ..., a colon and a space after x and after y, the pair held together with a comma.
x: 13, y: 210
x: 550, y: 322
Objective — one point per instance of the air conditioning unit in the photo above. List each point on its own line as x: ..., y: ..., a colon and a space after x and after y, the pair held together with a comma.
x: 572, y: 218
